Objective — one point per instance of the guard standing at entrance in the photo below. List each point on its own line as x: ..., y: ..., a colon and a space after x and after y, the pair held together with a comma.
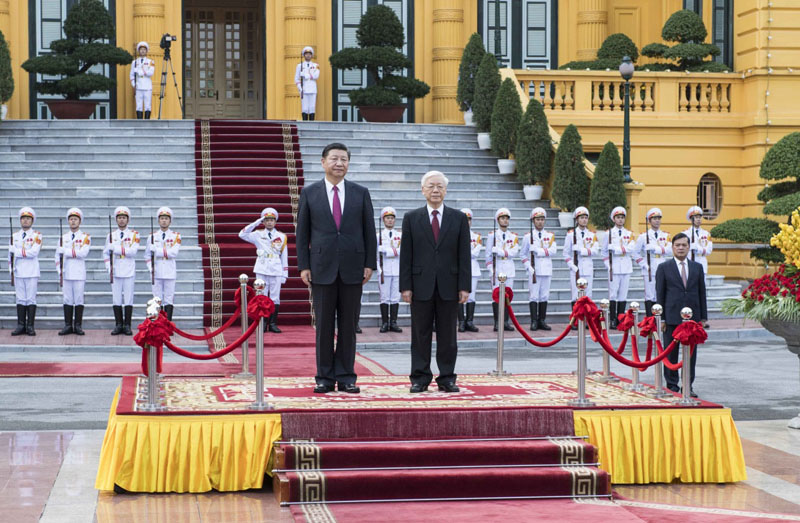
x: 142, y: 71
x: 305, y: 78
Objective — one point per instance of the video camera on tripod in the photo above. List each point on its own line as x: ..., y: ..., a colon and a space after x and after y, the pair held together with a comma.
x: 166, y: 45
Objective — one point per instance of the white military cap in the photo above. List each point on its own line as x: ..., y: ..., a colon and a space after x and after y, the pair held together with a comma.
x: 27, y: 211
x: 164, y: 211
x: 143, y: 44
x: 74, y: 211
x: 122, y: 210
x: 694, y: 210
x: 388, y: 211
x: 269, y: 212
x: 468, y: 212
x: 618, y: 210
x: 502, y: 211
x: 307, y: 49
x: 538, y: 212
x: 580, y: 211
x: 655, y: 211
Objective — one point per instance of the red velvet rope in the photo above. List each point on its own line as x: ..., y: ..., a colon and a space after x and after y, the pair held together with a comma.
x: 630, y: 363
x: 220, y: 353
x: 635, y: 349
x: 237, y: 298
x: 527, y: 336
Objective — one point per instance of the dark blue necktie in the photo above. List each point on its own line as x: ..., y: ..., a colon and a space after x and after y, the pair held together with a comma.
x: 163, y: 235
x: 540, y: 235
x: 121, y: 235
x: 73, y: 235
x: 270, y: 235
x: 23, y: 235
x: 390, y: 235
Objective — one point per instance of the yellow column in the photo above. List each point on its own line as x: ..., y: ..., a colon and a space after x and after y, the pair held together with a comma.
x: 592, y: 27
x: 16, y: 16
x: 5, y: 18
x: 148, y: 26
x: 448, y: 45
x: 300, y: 27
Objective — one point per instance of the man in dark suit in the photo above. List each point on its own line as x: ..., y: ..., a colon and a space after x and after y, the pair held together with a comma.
x: 680, y: 283
x: 336, y: 253
x: 435, y: 277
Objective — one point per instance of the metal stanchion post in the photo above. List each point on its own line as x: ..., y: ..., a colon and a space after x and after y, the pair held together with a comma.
x: 606, y: 376
x: 658, y: 386
x: 635, y: 385
x: 686, y: 369
x: 581, y: 400
x: 260, y: 404
x: 501, y: 319
x: 153, y: 403
x: 245, y: 374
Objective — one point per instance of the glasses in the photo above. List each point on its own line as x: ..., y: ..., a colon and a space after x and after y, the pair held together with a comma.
x: 432, y: 187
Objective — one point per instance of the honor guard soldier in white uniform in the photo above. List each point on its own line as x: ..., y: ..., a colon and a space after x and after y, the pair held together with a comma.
x: 466, y: 313
x: 305, y: 78
x: 580, y: 246
x: 537, y: 252
x: 700, y: 244
x: 272, y: 264
x: 73, y: 250
x: 653, y: 247
x: 389, y: 271
x: 142, y: 71
x: 617, y: 246
x: 119, y: 253
x: 163, y: 247
x: 23, y: 262
x: 504, y: 248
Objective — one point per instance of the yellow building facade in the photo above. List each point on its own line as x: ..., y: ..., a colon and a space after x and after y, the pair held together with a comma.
x: 694, y: 136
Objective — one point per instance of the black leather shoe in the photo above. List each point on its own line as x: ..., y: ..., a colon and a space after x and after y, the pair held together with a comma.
x: 323, y: 389
x: 418, y: 388
x: 448, y: 387
x: 358, y: 328
x: 674, y: 388
x: 692, y: 393
x: 351, y: 388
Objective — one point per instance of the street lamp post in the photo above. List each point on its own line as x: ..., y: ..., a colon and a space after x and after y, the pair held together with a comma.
x: 626, y: 70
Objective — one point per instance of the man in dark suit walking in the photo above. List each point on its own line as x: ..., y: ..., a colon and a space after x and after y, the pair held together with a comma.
x: 435, y: 277
x: 679, y: 284
x: 336, y: 253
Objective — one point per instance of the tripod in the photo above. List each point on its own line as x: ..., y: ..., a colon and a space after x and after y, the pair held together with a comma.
x: 168, y: 60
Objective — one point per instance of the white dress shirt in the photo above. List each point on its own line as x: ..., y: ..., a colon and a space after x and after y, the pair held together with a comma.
x: 678, y: 263
x: 329, y: 189
x: 430, y: 214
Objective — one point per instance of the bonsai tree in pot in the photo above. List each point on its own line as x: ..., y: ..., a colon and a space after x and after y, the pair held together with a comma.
x: 380, y: 38
x: 571, y: 185
x: 534, y: 151
x: 467, y: 70
x: 87, y: 25
x: 607, y: 188
x: 6, y: 78
x: 487, y: 83
x: 690, y: 53
x: 506, y: 116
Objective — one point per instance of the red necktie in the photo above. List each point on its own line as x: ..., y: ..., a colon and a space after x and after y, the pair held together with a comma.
x: 683, y: 274
x: 337, y: 208
x: 435, y: 226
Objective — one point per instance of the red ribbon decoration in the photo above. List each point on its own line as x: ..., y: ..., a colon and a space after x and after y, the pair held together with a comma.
x: 261, y: 306
x: 625, y: 321
x: 647, y: 326
x: 496, y: 295
x: 153, y: 333
x: 585, y: 309
x: 690, y: 333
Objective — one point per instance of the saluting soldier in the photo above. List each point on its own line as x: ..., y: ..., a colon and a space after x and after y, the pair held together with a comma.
x: 272, y: 264
x: 653, y: 247
x: 580, y: 246
x: 537, y: 254
x: 163, y: 247
x: 73, y: 250
x: 142, y: 71
x: 504, y: 248
x: 700, y: 244
x: 23, y: 260
x: 389, y: 271
x: 617, y: 246
x: 121, y: 248
x: 305, y: 78
x: 466, y: 312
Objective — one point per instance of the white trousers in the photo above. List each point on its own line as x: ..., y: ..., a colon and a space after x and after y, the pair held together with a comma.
x: 144, y: 99
x: 122, y: 290
x: 164, y: 288
x: 649, y: 286
x: 539, y: 291
x: 618, y: 287
x: 73, y: 292
x: 272, y: 287
x: 474, y: 288
x: 390, y: 289
x: 574, y: 287
x: 309, y: 103
x: 26, y: 290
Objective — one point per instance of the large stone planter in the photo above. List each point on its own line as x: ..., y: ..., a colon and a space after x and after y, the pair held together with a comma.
x: 790, y: 332
x: 382, y: 113
x: 71, y: 109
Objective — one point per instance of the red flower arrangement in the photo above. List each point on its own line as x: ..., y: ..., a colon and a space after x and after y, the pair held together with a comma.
x: 772, y: 296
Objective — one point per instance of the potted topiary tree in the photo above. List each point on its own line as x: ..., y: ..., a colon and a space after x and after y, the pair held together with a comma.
x: 534, y: 152
x: 570, y: 185
x: 686, y: 28
x: 609, y: 56
x: 380, y: 38
x: 607, y: 188
x: 6, y: 78
x: 87, y: 25
x: 506, y: 116
x: 470, y: 61
x: 487, y: 83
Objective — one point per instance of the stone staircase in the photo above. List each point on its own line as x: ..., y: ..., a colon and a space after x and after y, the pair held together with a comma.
x: 98, y: 165
x: 390, y: 160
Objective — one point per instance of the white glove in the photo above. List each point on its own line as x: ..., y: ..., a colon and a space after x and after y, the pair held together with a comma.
x: 572, y: 267
x: 608, y: 265
x: 584, y: 251
x: 644, y: 266
x: 651, y: 247
x: 108, y: 267
x: 497, y: 250
x: 260, y: 252
x: 530, y: 270
x: 283, y: 280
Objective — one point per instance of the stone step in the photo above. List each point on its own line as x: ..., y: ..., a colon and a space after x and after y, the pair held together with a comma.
x: 94, y: 155
x: 338, y: 127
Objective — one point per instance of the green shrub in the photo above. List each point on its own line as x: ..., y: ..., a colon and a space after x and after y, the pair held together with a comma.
x: 607, y: 190
x: 87, y: 25
x: 467, y: 70
x: 534, y: 151
x: 487, y: 83
x: 506, y: 116
x: 570, y: 185
x: 6, y: 78
x: 593, y: 65
x: 684, y: 26
x: 380, y: 37
x: 617, y: 46
x: 688, y: 31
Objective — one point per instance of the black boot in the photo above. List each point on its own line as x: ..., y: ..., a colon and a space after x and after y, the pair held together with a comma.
x: 574, y: 325
x: 469, y: 323
x: 305, y: 116
x: 534, y: 307
x: 273, y: 320
x: 542, y: 315
x: 648, y: 308
x: 127, y: 323
x: 621, y: 306
x: 393, y: 326
x: 22, y: 312
x: 384, y: 317
x: 312, y: 116
x: 462, y: 318
x: 139, y: 115
x: 612, y: 315
x: 147, y: 115
x: 507, y: 323
x: 68, y: 309
x: 31, y: 319
x: 118, y: 328
x: 169, y: 309
x: 494, y: 313
x: 77, y: 326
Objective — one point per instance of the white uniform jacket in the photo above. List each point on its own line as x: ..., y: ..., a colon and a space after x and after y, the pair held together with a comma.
x: 25, y: 249
x: 309, y: 72
x: 658, y: 244
x: 506, y: 250
x: 541, y: 251
x: 702, y: 244
x: 389, y: 246
x: 585, y: 244
x: 124, y: 245
x: 621, y: 247
x: 475, y: 248
x: 165, y: 248
x: 75, y: 248
x: 273, y: 259
x: 142, y: 70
